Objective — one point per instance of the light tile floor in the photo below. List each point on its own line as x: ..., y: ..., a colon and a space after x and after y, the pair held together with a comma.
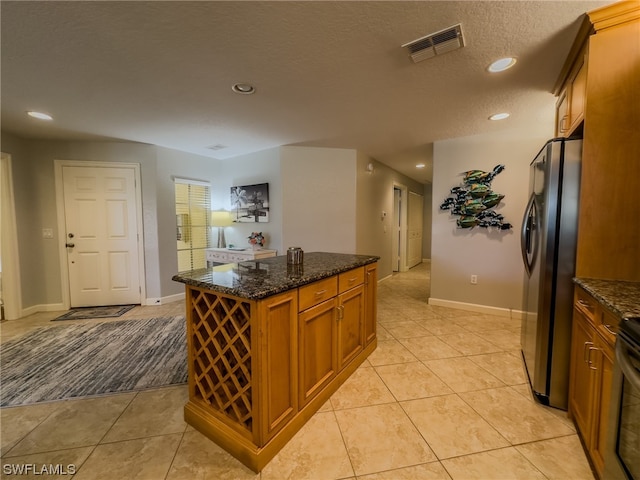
x: 444, y: 396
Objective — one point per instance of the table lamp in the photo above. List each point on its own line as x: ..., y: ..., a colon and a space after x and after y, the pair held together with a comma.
x: 221, y: 219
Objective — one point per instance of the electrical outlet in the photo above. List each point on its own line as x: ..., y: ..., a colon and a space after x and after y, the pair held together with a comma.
x: 474, y: 279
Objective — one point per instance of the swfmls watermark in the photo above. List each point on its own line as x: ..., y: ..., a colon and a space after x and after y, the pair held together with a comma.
x: 38, y: 469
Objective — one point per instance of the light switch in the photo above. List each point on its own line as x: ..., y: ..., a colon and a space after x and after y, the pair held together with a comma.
x: 47, y: 233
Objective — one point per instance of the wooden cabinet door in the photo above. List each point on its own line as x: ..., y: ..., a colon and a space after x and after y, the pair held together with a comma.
x: 604, y: 378
x: 317, y: 344
x: 350, y: 325
x: 562, y: 115
x: 578, y: 94
x: 371, y: 302
x: 581, y: 386
x: 278, y: 360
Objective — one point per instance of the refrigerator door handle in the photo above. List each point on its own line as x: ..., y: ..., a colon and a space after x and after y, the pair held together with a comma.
x: 528, y: 227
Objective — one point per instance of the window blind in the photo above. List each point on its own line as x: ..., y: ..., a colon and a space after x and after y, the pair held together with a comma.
x: 193, y: 207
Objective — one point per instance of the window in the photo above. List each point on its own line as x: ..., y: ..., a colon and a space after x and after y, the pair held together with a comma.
x: 193, y: 207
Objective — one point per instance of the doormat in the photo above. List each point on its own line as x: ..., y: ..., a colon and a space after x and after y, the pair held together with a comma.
x: 83, y: 313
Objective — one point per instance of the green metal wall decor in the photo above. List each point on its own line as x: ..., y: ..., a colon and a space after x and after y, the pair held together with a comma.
x: 473, y: 201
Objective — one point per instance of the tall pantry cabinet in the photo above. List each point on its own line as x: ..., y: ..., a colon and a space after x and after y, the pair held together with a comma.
x: 608, y: 236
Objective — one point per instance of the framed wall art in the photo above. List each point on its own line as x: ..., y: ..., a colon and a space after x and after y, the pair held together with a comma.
x: 250, y: 203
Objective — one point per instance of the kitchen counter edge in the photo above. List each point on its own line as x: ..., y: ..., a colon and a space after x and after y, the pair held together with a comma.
x: 227, y: 278
x: 621, y: 297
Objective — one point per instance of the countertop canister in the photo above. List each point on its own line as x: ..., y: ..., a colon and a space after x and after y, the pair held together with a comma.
x: 295, y: 255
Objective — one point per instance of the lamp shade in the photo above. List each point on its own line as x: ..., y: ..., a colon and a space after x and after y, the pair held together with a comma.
x: 221, y: 218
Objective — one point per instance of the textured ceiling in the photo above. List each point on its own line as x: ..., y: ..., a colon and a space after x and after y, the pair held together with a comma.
x: 326, y: 74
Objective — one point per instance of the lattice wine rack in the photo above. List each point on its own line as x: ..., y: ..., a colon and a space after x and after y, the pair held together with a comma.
x: 220, y: 335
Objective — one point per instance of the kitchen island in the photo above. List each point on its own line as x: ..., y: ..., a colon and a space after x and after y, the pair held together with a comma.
x: 268, y: 344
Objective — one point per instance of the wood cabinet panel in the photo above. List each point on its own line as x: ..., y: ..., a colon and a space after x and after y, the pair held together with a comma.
x: 608, y: 238
x: 318, y: 348
x: 350, y: 325
x: 371, y: 302
x: 604, y: 381
x: 581, y: 385
x: 278, y: 359
x: 578, y: 94
x: 562, y: 114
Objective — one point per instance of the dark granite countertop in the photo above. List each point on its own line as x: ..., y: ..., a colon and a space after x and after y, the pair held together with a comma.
x: 262, y: 278
x: 622, y: 298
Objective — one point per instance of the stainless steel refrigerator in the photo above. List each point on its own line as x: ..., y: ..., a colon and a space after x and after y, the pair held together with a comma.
x: 548, y: 239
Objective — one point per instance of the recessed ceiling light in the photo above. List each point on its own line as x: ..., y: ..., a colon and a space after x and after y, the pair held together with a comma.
x: 502, y: 64
x: 499, y: 116
x: 420, y: 165
x: 40, y: 115
x: 243, y: 88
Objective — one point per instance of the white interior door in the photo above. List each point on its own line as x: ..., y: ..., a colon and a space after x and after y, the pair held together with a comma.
x: 414, y: 225
x: 10, y: 292
x: 101, y: 235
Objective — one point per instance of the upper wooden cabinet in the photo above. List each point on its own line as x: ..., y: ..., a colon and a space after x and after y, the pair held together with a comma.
x: 572, y: 99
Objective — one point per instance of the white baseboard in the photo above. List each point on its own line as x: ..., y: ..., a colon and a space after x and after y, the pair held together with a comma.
x: 472, y: 307
x: 59, y: 307
x: 49, y: 307
x: 384, y: 278
x: 164, y: 300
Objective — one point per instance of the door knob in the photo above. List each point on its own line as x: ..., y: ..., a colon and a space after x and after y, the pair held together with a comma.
x: 70, y: 245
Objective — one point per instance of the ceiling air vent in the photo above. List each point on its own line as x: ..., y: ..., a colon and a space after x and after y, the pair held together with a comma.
x: 217, y: 146
x: 435, y: 43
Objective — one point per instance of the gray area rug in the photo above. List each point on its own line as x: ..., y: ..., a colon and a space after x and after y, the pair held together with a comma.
x: 95, y: 312
x: 72, y: 361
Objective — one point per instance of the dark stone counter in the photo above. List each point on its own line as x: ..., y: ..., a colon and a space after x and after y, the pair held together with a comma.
x: 622, y: 298
x: 262, y: 278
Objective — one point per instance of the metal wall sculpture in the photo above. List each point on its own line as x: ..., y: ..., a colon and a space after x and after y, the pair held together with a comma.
x: 474, y: 200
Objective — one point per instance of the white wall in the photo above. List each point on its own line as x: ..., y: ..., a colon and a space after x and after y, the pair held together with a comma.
x: 427, y: 220
x: 170, y: 164
x: 494, y: 256
x: 259, y: 167
x: 319, y: 199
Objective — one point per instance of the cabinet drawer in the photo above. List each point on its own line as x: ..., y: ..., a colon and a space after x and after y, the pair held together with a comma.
x: 586, y: 304
x: 317, y: 292
x: 238, y: 257
x: 350, y: 279
x: 609, y: 326
x: 216, y: 256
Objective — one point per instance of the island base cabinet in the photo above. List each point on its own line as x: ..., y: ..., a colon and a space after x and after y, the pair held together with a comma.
x: 260, y: 369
